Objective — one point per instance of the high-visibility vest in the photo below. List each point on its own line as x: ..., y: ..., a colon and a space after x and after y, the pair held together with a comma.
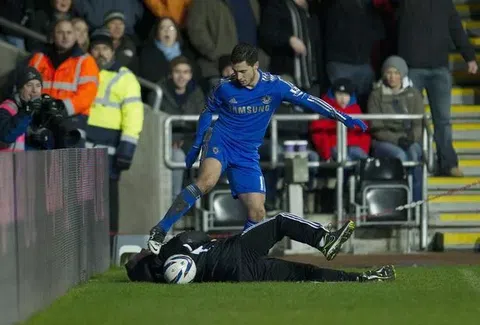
x: 75, y: 81
x: 117, y: 113
x: 19, y: 144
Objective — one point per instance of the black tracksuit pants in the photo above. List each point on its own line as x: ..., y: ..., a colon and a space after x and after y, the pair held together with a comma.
x: 256, y: 242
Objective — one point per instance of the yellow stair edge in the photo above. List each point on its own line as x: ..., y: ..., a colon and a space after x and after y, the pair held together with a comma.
x: 467, y: 7
x: 475, y: 41
x: 460, y: 108
x: 459, y: 217
x: 457, y: 57
x: 465, y: 144
x: 455, y: 199
x: 469, y: 163
x: 467, y: 91
x: 462, y: 181
x: 467, y: 24
x: 460, y: 238
x: 465, y: 126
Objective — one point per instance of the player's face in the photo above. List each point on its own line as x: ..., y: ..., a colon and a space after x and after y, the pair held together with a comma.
x: 32, y: 89
x: 102, y: 53
x: 393, y: 78
x: 342, y: 99
x: 244, y: 73
x: 64, y: 36
x: 181, y: 75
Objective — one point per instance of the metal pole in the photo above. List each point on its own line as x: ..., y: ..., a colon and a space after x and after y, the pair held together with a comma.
x: 424, y: 218
x: 17, y: 28
x: 156, y: 88
x: 340, y: 172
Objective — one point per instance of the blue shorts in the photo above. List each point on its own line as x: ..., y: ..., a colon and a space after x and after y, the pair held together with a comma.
x: 242, y: 166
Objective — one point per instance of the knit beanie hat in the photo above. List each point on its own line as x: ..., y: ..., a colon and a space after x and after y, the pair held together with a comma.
x: 112, y: 15
x: 27, y: 74
x: 101, y: 36
x: 343, y: 85
x: 397, y: 63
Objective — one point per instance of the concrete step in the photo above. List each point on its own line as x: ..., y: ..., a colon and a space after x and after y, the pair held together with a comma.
x: 470, y: 167
x: 456, y: 240
x: 465, y: 203
x: 468, y: 156
x: 463, y: 78
x: 447, y: 183
x: 461, y: 96
x: 465, y: 131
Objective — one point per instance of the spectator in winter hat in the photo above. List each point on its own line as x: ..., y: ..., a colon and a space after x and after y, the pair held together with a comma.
x: 395, y: 94
x: 17, y: 110
x: 324, y: 132
x: 124, y: 47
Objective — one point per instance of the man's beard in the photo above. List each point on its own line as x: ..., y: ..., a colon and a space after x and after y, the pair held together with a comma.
x: 102, y: 62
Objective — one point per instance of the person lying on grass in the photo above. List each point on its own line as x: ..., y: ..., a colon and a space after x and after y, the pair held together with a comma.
x: 243, y: 257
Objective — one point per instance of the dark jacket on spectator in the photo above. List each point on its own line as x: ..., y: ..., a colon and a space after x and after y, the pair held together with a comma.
x: 17, y: 11
x: 351, y: 28
x: 154, y: 66
x: 408, y: 101
x: 190, y: 103
x: 282, y: 19
x: 126, y: 54
x: 425, y: 29
x: 42, y: 22
x: 94, y: 10
x: 212, y: 32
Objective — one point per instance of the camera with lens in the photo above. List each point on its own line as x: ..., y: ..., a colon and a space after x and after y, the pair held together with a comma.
x: 50, y: 127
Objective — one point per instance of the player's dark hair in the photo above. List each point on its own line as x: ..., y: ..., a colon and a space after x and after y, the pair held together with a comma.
x: 244, y: 52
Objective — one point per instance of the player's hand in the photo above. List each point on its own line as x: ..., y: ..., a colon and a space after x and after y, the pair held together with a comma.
x: 351, y: 123
x: 192, y: 156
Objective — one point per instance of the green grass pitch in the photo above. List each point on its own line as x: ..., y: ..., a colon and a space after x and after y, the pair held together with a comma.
x: 420, y: 295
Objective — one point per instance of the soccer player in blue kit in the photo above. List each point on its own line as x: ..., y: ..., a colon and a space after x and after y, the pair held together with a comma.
x: 245, y: 104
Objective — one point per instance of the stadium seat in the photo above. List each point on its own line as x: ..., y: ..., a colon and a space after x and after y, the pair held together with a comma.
x: 378, y: 187
x: 222, y: 211
x: 127, y: 244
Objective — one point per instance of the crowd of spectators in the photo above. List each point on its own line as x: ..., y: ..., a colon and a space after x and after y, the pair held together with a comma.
x: 370, y: 56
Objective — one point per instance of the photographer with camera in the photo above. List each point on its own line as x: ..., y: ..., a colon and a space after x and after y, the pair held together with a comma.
x: 16, y: 112
x: 30, y: 120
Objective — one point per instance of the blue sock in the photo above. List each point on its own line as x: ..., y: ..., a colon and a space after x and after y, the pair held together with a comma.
x: 183, y: 202
x: 249, y: 223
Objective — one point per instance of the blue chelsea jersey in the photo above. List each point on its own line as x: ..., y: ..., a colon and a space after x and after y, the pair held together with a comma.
x: 244, y: 113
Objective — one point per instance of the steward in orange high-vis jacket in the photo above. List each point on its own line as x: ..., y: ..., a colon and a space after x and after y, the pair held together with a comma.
x: 68, y: 74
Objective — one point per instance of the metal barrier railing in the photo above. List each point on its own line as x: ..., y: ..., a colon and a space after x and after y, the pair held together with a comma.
x: 26, y: 32
x: 341, y: 161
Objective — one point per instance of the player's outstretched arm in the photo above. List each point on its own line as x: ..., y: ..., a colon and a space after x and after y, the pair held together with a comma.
x: 204, y: 122
x: 294, y: 95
